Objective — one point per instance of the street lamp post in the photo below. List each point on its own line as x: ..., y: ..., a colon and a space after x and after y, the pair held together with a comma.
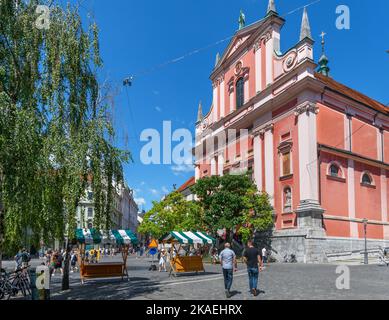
x: 366, y: 257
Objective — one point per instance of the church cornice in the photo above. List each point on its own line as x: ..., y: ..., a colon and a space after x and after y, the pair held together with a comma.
x: 251, y: 107
x: 306, y: 107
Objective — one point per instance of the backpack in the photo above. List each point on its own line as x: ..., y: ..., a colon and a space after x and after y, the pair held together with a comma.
x: 60, y: 258
x: 25, y: 257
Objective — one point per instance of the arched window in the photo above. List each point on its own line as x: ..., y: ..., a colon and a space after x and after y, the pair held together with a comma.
x: 367, y: 179
x: 335, y: 171
x: 239, y: 93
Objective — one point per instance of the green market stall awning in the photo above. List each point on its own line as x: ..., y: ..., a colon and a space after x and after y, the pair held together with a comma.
x: 189, y: 238
x: 93, y: 236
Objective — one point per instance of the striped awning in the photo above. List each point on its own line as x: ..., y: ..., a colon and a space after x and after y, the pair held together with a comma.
x: 93, y: 236
x: 189, y: 237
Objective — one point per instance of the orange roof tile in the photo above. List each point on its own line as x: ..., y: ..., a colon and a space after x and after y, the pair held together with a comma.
x: 187, y: 184
x: 353, y: 94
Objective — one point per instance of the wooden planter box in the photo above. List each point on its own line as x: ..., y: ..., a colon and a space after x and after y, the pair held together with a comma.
x: 102, y: 270
x: 187, y: 264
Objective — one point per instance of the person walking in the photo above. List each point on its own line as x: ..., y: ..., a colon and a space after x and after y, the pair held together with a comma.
x: 214, y: 255
x: 73, y: 262
x: 264, y: 255
x: 18, y: 259
x: 254, y: 264
x: 162, y: 261
x: 229, y: 264
x: 48, y: 258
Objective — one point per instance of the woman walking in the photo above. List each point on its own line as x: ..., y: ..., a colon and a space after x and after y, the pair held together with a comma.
x: 162, y: 261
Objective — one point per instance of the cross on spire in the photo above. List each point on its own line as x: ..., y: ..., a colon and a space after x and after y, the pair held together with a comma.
x: 322, y: 35
x: 323, y: 61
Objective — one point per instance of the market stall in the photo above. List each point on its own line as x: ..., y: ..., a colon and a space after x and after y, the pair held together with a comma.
x: 123, y: 239
x: 183, y: 242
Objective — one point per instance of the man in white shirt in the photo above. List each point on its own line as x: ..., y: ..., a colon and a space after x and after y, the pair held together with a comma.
x: 264, y: 255
x: 228, y: 262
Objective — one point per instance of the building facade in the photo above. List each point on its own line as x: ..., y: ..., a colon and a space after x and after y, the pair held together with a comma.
x: 124, y: 209
x: 318, y: 148
x: 185, y: 189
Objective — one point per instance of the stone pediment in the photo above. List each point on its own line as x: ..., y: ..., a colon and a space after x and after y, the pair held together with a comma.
x: 239, y: 40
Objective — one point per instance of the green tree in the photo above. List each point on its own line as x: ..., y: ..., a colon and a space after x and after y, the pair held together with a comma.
x: 173, y: 213
x: 233, y: 201
x: 55, y: 133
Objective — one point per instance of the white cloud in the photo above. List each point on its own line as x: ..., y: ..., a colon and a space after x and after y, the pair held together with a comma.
x: 154, y: 191
x: 140, y: 201
x: 165, y: 190
x: 182, y: 168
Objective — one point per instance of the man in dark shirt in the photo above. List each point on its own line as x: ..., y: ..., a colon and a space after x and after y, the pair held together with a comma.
x: 252, y: 257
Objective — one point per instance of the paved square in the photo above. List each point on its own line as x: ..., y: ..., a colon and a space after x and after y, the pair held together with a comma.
x: 277, y: 281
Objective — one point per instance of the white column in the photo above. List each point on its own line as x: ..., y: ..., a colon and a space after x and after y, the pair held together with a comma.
x: 258, y: 68
x: 384, y: 202
x: 222, y: 100
x: 197, y: 173
x: 380, y: 144
x: 221, y: 164
x: 213, y: 166
x: 258, y: 161
x: 246, y: 90
x: 351, y: 198
x: 232, y: 100
x: 276, y: 39
x: 347, y: 138
x: 269, y: 164
x: 215, y: 102
x: 307, y: 136
x: 269, y: 61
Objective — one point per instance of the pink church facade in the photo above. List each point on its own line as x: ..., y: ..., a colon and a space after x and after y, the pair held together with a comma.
x: 319, y: 149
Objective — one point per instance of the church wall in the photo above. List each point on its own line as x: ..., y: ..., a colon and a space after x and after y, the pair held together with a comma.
x: 334, y: 195
x: 249, y: 61
x: 368, y: 199
x: 330, y: 127
x: 205, y: 170
x: 286, y: 129
x: 364, y: 139
x: 229, y: 103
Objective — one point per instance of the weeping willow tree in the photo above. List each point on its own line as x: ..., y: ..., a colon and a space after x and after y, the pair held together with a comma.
x: 55, y: 132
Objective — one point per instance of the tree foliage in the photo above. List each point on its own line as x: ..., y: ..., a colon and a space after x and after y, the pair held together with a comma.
x: 173, y: 213
x: 55, y: 133
x: 233, y: 202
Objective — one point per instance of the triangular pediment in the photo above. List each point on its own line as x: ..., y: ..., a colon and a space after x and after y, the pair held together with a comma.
x: 236, y: 45
x: 247, y: 36
x: 239, y: 39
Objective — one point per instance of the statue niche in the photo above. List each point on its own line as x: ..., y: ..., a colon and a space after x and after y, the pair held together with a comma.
x: 287, y: 200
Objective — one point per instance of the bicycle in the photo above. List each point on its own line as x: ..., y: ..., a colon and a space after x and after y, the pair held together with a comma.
x: 13, y: 283
x: 7, y: 290
x: 21, y: 280
x: 292, y: 259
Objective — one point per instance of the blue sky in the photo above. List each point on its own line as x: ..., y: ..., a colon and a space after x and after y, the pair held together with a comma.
x: 138, y: 35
